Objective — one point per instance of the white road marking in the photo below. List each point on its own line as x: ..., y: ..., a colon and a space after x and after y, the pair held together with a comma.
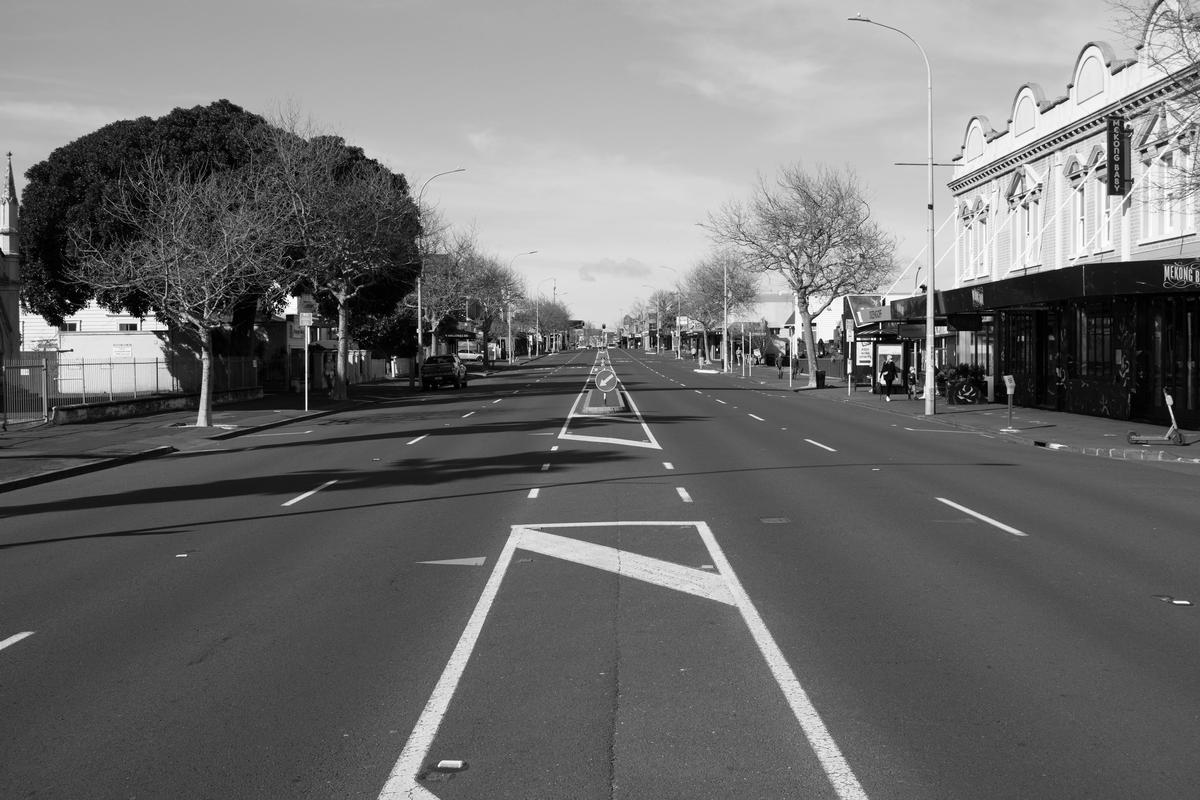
x: 554, y: 449
x: 545, y: 467
x: 286, y: 433
x: 419, y: 438
x: 469, y: 413
x: 478, y: 561
x: 16, y: 637
x: 977, y: 515
x: 755, y: 416
x: 533, y: 493
x: 722, y: 402
x: 298, y: 498
x: 723, y: 587
x: 822, y: 446
x: 668, y: 465
x: 497, y: 400
x: 683, y: 494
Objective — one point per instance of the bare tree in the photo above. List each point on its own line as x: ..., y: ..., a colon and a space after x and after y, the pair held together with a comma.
x: 196, y: 247
x: 717, y: 284
x: 816, y: 231
x: 494, y: 287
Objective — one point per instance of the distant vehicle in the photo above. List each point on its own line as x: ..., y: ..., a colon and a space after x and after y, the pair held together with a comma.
x: 439, y: 370
x: 469, y: 354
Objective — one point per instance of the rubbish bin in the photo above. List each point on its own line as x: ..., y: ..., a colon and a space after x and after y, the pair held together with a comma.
x: 820, y: 379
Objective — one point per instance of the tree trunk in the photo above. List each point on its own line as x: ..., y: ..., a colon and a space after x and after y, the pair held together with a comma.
x: 204, y: 411
x: 343, y: 350
x: 804, y: 328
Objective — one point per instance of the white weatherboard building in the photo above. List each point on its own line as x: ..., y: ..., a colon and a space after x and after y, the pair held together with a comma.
x: 1077, y: 264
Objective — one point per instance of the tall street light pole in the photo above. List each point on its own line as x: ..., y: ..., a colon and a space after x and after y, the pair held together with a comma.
x: 930, y: 393
x: 677, y: 343
x: 508, y: 305
x: 421, y: 255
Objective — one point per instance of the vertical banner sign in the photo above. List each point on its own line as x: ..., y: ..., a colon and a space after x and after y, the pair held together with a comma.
x: 1118, y: 156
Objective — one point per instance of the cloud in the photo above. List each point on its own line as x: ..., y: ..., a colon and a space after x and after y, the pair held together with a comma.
x: 608, y: 269
x: 483, y: 141
x: 59, y: 115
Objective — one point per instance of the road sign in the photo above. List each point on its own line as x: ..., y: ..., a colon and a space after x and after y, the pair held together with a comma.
x: 306, y: 319
x: 606, y: 380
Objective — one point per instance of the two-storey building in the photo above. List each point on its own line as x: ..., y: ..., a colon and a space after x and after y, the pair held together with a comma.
x: 1077, y: 257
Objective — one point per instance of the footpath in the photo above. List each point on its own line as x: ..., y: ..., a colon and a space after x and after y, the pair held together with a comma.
x: 1054, y: 430
x: 42, y: 453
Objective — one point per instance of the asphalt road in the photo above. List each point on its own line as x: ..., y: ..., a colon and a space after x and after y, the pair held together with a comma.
x: 730, y: 592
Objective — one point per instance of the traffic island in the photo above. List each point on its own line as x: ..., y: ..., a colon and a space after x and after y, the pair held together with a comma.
x: 597, y: 403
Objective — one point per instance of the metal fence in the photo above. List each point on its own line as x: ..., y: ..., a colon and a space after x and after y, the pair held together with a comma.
x: 34, y: 383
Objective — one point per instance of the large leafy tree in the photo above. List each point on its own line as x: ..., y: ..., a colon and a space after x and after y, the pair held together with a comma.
x: 74, y: 187
x: 352, y: 227
x: 816, y: 231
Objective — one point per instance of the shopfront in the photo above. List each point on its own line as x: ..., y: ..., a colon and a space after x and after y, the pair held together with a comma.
x: 1106, y: 339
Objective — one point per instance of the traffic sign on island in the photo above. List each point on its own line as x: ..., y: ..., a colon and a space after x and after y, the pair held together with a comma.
x: 606, y: 380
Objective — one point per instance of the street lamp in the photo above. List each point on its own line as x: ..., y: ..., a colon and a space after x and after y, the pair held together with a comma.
x: 930, y: 394
x: 677, y: 343
x: 420, y: 313
x: 508, y: 306
x: 537, y: 309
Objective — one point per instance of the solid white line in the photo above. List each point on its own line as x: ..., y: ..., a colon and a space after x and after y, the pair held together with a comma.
x: 979, y: 516
x: 533, y: 493
x: 836, y: 768
x: 755, y: 416
x: 16, y: 637
x: 469, y: 413
x: 310, y: 493
x: 668, y: 465
x: 822, y: 446
x: 419, y: 438
x: 287, y: 433
x: 683, y: 494
x: 401, y: 782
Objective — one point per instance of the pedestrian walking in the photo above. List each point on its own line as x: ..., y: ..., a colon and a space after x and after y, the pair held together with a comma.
x: 887, y: 376
x: 779, y: 358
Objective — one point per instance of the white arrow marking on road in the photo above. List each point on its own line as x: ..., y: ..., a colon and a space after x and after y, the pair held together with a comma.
x: 458, y: 562
x: 16, y: 637
x: 979, y: 516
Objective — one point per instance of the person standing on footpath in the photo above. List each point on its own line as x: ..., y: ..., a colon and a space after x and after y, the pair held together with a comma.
x: 887, y: 376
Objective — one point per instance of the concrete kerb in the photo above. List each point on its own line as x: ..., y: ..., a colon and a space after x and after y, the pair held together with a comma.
x: 102, y: 462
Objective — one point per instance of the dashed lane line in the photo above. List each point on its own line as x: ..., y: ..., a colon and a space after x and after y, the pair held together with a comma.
x: 419, y: 438
x: 16, y: 637
x: 822, y: 446
x: 683, y: 494
x: 309, y: 493
x: 981, y: 517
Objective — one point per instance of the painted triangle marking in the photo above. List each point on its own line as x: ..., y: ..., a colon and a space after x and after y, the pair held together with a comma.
x: 458, y: 562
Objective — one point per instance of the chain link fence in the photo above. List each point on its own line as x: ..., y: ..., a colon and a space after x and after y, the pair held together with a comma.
x: 34, y: 383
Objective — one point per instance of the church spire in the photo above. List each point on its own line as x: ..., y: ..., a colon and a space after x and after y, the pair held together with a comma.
x: 8, y: 212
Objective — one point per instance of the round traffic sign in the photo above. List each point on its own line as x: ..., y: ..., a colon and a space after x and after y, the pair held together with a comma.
x: 606, y: 380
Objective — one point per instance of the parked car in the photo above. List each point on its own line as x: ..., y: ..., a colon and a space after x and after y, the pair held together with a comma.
x: 438, y: 370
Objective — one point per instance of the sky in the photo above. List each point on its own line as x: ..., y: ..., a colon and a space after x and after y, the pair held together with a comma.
x: 599, y: 133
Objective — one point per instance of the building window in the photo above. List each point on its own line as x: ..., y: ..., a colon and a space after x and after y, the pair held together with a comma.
x: 1079, y: 219
x: 976, y: 262
x: 127, y: 326
x: 68, y: 327
x: 1095, y: 341
x: 1102, y: 210
x: 1162, y: 198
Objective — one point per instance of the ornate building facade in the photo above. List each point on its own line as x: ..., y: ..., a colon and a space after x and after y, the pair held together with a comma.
x: 1077, y: 257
